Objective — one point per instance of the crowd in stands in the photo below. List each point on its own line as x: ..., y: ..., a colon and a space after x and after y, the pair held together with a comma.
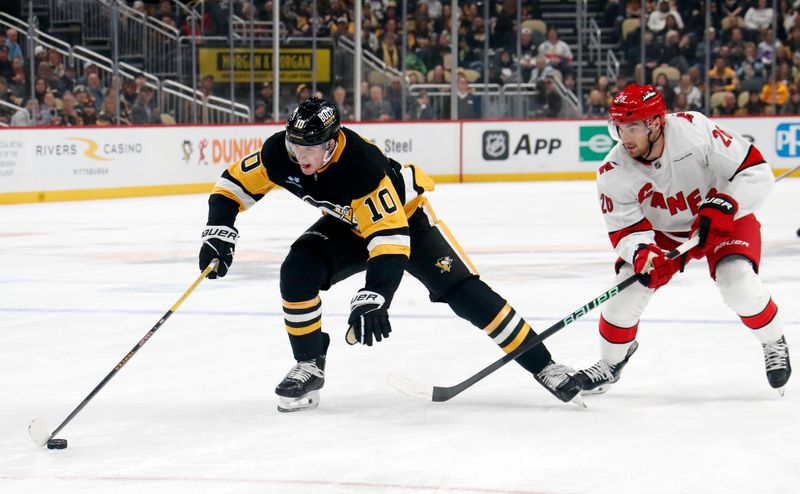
x: 60, y: 97
x: 743, y: 51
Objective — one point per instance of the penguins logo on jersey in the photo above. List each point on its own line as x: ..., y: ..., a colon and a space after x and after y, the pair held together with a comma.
x: 445, y: 264
x: 344, y: 213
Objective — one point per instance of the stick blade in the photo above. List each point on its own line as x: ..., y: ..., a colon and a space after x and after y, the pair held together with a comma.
x: 39, y: 432
x: 410, y: 387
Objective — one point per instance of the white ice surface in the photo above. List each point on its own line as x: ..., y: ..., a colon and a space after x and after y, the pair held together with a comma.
x: 194, y: 410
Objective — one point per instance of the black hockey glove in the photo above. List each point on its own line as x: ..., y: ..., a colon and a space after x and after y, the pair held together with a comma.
x: 219, y: 242
x: 369, y: 318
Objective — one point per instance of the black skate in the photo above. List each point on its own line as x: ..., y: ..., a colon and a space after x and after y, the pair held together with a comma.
x: 556, y: 379
x: 776, y: 359
x: 598, y: 378
x: 299, y: 390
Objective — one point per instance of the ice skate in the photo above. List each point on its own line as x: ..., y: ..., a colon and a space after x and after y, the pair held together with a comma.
x: 598, y: 378
x: 299, y: 390
x: 557, y: 379
x: 776, y: 360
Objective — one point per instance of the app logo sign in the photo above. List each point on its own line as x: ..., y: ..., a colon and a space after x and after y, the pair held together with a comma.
x: 595, y: 143
x: 495, y: 145
x: 787, y: 140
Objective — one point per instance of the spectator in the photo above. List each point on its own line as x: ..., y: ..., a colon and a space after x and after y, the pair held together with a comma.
x: 791, y: 107
x: 438, y: 75
x: 389, y: 53
x: 508, y: 70
x: 754, y: 105
x: 14, y: 50
x: 657, y: 20
x: 665, y: 88
x: 109, y: 108
x: 736, y: 47
x: 208, y: 80
x: 377, y: 108
x: 6, y: 69
x: 427, y: 54
x: 758, y: 18
x: 728, y: 106
x: 47, y: 109
x: 95, y: 89
x: 682, y: 104
x: 694, y: 98
x: 260, y: 114
x: 751, y: 80
x: 675, y: 50
x: 303, y: 92
x: 714, y: 44
x: 265, y: 96
x: 89, y: 68
x: 88, y: 112
x: 469, y: 105
x: 781, y: 93
x: 540, y: 71
x: 130, y: 92
x: 71, y: 116
x: 722, y: 77
x: 26, y: 117
x: 144, y: 111
x: 56, y: 62
x: 206, y: 85
x: 69, y: 80
x: 40, y: 88
x: 421, y: 108
x: 596, y: 106
x: 766, y: 49
x: 45, y: 71
x: 549, y: 100
x: 557, y: 53
x: 339, y: 98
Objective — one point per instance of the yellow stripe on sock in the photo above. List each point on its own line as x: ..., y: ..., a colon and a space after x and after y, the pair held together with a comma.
x: 498, y: 319
x: 517, y: 341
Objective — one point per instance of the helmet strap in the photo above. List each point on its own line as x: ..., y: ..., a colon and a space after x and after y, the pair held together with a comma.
x: 330, y: 150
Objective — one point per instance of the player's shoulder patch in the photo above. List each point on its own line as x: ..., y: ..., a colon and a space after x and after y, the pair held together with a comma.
x: 606, y: 167
x: 687, y: 116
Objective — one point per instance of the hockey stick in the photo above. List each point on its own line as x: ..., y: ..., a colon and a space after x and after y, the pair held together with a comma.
x: 444, y: 393
x: 37, y: 428
x: 787, y: 173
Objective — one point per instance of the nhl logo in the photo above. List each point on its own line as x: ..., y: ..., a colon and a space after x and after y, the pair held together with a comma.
x: 495, y: 145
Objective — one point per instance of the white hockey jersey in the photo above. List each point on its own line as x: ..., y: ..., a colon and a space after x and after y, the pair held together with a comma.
x: 700, y: 158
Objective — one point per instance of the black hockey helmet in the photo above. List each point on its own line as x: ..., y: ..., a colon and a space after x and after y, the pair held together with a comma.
x: 315, y: 121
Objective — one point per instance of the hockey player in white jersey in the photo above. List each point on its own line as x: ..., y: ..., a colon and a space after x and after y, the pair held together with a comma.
x: 670, y: 177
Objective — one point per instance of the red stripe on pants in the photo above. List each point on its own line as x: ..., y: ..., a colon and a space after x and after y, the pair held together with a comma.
x: 763, y: 318
x: 615, y: 334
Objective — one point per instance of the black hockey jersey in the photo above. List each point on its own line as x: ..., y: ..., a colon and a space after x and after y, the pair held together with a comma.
x: 359, y: 186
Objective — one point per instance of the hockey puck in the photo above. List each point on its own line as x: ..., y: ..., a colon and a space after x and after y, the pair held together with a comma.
x: 57, y: 444
x: 798, y: 232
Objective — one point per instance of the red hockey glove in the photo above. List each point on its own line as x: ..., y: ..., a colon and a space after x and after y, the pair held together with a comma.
x: 714, y: 222
x: 651, y: 264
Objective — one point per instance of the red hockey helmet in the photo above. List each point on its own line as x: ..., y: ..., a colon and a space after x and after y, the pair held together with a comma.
x: 635, y: 103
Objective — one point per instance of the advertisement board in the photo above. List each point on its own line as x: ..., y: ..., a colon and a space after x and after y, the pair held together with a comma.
x: 86, y: 162
x: 296, y: 64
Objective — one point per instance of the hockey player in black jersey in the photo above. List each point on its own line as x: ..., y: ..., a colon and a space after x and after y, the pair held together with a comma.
x: 375, y: 217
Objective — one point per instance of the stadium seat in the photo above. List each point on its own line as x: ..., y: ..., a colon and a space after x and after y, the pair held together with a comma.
x: 630, y: 25
x: 535, y: 25
x: 672, y: 73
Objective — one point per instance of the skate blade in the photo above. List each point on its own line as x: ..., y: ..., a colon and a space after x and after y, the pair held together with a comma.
x: 577, y: 400
x: 596, y: 391
x: 305, y: 402
x: 780, y: 390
